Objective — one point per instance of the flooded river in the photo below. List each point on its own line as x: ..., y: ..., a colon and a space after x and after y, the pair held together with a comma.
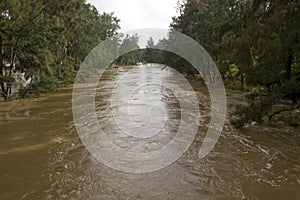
x: 42, y: 156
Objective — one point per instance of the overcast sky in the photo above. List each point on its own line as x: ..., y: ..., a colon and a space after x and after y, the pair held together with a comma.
x: 136, y: 14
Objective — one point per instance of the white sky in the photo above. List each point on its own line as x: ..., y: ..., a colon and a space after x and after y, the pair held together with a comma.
x: 136, y: 14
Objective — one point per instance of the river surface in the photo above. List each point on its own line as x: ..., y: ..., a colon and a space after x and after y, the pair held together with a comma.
x: 42, y: 156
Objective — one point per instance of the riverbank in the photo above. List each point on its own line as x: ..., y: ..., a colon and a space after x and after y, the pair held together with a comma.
x: 21, y: 107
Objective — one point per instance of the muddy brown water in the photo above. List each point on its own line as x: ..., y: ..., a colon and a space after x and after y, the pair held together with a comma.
x: 42, y: 157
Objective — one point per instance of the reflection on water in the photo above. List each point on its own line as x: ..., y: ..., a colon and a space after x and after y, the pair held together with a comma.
x: 41, y: 156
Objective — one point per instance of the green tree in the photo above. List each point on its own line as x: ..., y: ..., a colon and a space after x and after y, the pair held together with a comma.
x: 47, y: 41
x: 255, y: 45
x: 129, y: 58
x: 149, y: 52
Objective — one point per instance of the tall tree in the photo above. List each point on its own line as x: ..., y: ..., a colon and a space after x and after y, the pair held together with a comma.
x: 149, y: 52
x: 255, y: 44
x: 47, y: 41
x: 128, y: 43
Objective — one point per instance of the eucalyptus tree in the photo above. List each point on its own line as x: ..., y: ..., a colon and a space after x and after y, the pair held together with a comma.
x: 255, y: 43
x: 47, y: 41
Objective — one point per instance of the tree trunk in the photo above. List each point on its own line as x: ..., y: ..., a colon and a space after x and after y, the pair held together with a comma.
x: 288, y: 69
x: 2, y: 72
x: 242, y: 80
x: 11, y: 66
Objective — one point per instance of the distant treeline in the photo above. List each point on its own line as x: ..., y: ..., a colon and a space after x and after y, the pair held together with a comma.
x: 256, y: 46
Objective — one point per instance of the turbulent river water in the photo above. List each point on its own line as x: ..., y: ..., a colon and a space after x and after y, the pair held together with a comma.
x: 42, y: 156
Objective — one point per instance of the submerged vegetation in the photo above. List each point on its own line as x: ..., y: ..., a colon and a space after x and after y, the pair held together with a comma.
x: 256, y: 45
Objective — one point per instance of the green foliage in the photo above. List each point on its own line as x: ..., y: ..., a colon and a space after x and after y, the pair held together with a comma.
x: 149, y: 53
x: 129, y: 57
x: 256, y: 45
x: 232, y: 78
x: 253, y: 112
x: 48, y: 40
